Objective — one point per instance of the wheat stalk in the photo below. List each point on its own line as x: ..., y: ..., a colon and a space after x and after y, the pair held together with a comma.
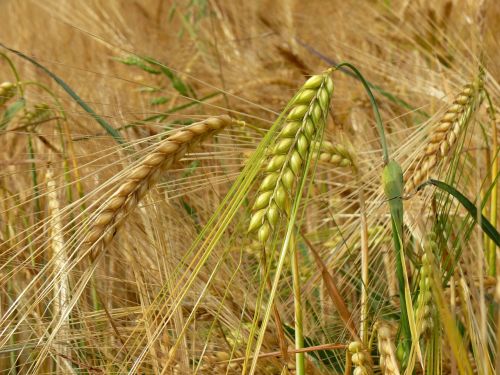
x: 138, y: 182
x: 284, y: 165
x: 59, y: 255
x: 445, y: 135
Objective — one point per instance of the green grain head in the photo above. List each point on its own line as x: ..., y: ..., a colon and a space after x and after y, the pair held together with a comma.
x: 288, y: 153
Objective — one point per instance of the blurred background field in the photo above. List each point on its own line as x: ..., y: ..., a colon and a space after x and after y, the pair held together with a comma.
x: 176, y: 284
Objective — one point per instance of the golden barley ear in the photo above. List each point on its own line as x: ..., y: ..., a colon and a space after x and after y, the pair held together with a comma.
x: 386, y: 335
x: 444, y: 136
x: 141, y: 178
x: 361, y: 359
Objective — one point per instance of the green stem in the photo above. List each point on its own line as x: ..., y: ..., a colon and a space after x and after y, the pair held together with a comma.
x: 491, y: 249
x: 14, y: 70
x: 299, y: 331
x: 378, y: 118
x: 405, y: 325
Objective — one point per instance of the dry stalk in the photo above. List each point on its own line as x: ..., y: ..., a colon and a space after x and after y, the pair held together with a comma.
x: 140, y: 180
x: 445, y: 135
x: 60, y: 258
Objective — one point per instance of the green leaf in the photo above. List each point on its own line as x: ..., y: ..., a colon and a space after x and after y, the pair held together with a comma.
x: 471, y: 208
x: 376, y: 112
x: 158, y: 101
x: 145, y: 63
x: 133, y: 60
x: 177, y: 83
x: 109, y: 129
x: 11, y: 111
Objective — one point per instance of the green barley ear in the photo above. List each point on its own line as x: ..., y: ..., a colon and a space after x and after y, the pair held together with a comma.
x: 336, y: 154
x: 288, y: 153
x: 40, y: 113
x: 288, y: 159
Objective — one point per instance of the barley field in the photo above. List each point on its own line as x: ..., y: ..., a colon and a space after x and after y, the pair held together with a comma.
x: 249, y: 187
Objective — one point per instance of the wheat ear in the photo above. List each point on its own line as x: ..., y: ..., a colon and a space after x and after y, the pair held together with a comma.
x: 138, y: 182
x: 291, y: 148
x: 447, y: 132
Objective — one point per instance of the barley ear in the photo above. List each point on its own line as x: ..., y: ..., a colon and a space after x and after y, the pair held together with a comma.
x: 337, y: 155
x: 387, y: 349
x: 445, y: 135
x: 288, y: 154
x: 361, y: 359
x: 141, y: 178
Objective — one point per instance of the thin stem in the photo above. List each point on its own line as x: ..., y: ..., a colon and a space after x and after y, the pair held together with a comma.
x: 492, y: 269
x: 14, y: 70
x: 364, y: 266
x: 299, y: 328
x: 277, y: 318
x: 34, y: 177
x: 378, y: 118
x: 309, y: 349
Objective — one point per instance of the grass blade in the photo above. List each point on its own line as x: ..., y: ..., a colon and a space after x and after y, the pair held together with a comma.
x: 106, y: 126
x: 486, y: 226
